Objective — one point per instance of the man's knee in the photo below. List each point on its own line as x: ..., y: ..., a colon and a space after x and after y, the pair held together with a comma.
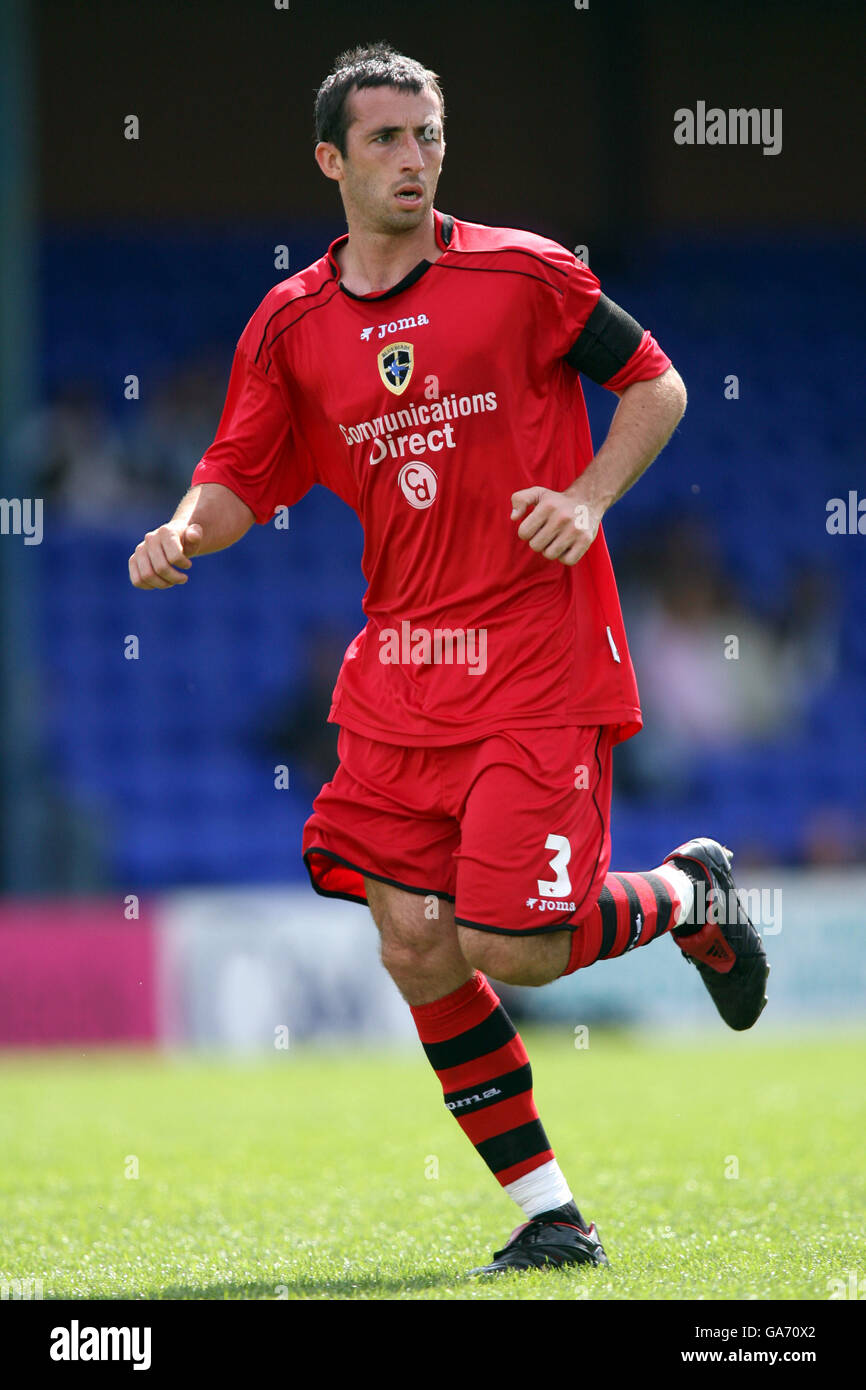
x: 516, y: 960
x: 413, y: 938
x: 403, y: 948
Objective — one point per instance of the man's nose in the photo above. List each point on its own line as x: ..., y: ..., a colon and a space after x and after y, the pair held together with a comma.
x: 411, y: 156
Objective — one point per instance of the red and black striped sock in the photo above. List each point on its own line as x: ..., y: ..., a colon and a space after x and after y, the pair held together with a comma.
x: 479, y: 1057
x: 631, y: 910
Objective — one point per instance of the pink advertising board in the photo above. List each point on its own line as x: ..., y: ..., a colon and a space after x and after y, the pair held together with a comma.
x: 75, y: 970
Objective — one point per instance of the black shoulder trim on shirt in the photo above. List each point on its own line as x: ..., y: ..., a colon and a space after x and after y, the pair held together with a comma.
x: 609, y: 338
x: 282, y: 309
x: 285, y: 329
x: 446, y: 230
x: 496, y: 270
x: 512, y: 251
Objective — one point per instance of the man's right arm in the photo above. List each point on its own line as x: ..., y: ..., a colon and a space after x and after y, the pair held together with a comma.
x: 210, y: 517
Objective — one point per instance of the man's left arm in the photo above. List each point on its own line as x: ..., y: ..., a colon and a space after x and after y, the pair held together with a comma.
x: 562, y: 525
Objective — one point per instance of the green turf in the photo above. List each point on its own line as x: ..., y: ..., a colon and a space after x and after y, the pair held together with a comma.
x: 310, y: 1175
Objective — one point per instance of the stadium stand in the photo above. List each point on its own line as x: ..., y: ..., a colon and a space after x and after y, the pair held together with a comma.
x: 165, y: 749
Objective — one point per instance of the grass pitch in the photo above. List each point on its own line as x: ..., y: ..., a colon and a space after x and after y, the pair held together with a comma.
x: 723, y: 1170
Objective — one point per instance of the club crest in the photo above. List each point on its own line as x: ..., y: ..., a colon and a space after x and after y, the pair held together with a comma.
x: 396, y: 362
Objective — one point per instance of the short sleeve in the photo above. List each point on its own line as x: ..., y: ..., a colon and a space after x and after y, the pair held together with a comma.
x: 602, y: 340
x: 581, y: 293
x: 253, y: 453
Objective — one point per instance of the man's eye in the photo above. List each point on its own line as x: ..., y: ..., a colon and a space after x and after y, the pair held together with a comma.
x: 386, y: 136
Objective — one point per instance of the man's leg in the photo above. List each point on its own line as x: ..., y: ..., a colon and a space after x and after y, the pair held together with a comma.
x: 692, y: 895
x: 422, y: 955
x: 473, y: 1047
x: 534, y: 899
x: 632, y: 910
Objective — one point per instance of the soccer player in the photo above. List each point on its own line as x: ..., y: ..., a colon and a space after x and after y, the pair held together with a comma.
x: 426, y: 370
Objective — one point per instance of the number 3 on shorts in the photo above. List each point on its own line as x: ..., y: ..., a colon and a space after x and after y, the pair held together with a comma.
x: 560, y: 886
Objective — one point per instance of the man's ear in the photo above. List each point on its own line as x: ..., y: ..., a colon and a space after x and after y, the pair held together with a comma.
x: 329, y: 159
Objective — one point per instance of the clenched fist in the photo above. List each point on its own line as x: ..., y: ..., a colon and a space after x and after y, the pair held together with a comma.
x: 557, y: 526
x: 159, y: 560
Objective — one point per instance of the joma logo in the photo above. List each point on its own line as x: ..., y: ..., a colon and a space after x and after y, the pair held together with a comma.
x: 395, y: 326
x: 472, y: 1100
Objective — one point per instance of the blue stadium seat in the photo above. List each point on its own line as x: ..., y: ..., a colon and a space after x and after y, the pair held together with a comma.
x: 216, y: 659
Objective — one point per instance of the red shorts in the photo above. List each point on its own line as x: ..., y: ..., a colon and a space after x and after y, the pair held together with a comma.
x: 514, y: 829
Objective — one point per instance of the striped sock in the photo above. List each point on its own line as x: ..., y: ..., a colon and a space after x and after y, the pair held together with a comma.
x: 631, y: 910
x: 479, y: 1057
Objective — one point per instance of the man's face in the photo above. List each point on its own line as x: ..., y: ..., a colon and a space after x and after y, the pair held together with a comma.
x: 394, y: 150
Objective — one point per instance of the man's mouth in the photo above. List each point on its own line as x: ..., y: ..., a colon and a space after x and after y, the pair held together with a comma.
x: 411, y: 194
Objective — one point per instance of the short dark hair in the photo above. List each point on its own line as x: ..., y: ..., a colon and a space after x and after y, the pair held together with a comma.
x: 368, y: 65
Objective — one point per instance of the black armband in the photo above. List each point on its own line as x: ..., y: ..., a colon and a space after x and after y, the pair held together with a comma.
x: 609, y: 338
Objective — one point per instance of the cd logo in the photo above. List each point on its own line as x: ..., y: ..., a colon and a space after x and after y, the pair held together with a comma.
x: 419, y: 484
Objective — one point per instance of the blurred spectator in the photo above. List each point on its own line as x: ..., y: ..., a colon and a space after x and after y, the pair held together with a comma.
x: 89, y: 465
x: 73, y: 455
x: 174, y: 428
x: 832, y: 836
x: 299, y: 732
x: 714, y: 674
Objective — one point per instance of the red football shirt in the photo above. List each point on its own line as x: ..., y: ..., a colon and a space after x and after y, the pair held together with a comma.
x: 425, y: 407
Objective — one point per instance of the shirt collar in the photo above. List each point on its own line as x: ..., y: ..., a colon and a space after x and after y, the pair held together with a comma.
x: 443, y: 230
